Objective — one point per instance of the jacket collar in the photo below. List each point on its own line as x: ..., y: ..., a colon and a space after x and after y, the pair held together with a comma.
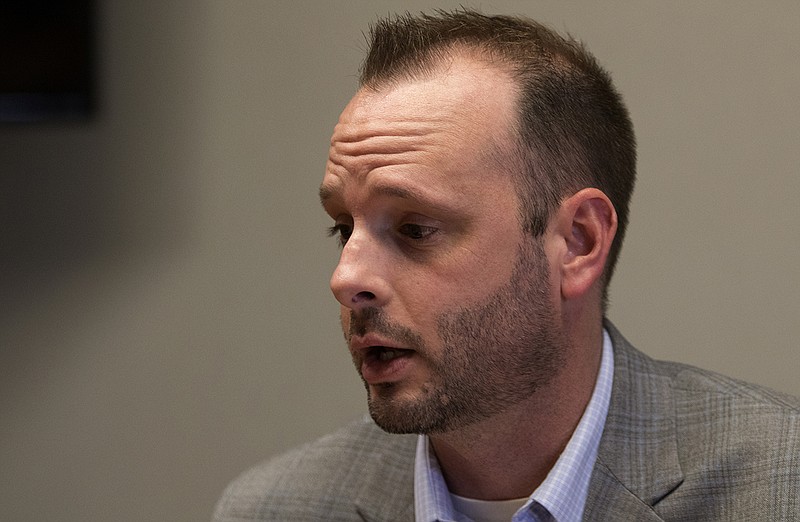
x: 637, y: 463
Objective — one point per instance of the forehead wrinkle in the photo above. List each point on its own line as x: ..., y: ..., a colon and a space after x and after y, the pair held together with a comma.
x: 365, y: 127
x: 360, y: 149
x: 382, y: 137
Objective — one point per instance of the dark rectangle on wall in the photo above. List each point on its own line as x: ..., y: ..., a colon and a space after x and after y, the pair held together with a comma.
x: 47, y: 60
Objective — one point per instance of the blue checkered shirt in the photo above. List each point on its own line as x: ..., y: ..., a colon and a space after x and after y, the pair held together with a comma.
x: 562, y: 495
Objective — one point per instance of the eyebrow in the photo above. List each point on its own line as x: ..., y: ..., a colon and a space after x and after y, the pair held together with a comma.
x: 400, y: 193
x: 328, y: 193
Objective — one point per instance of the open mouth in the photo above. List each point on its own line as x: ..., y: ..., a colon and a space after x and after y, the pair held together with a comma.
x: 384, y: 353
x: 384, y: 364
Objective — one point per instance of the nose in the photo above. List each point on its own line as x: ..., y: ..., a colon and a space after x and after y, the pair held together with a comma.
x: 360, y: 280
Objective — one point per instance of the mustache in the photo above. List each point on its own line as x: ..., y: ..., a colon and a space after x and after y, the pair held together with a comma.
x: 374, y: 320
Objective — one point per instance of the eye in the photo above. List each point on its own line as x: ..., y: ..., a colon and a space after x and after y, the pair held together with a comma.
x: 416, y: 232
x: 342, y: 231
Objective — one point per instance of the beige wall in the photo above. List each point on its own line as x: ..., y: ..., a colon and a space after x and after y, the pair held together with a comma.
x: 165, y: 316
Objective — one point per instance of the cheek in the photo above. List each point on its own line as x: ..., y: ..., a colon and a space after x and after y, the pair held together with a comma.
x: 424, y: 306
x: 478, y: 275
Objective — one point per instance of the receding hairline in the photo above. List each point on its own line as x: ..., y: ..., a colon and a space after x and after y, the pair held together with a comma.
x: 438, y: 60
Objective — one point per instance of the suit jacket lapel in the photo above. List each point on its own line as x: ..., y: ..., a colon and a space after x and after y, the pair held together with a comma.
x: 610, y: 499
x: 637, y: 463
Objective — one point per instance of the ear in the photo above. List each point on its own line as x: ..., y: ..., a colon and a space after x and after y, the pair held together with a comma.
x: 586, y: 223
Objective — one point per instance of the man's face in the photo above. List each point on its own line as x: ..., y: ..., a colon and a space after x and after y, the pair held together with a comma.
x: 446, y: 304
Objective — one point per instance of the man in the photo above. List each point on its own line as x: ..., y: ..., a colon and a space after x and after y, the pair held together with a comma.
x: 479, y: 183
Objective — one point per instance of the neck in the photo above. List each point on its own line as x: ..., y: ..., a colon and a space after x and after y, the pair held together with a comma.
x: 510, y: 454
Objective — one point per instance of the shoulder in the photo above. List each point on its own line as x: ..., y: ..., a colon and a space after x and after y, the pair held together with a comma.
x: 697, y: 442
x: 322, y: 478
x: 693, y: 391
x: 711, y: 401
x: 736, y: 424
x: 737, y: 443
x: 707, y: 408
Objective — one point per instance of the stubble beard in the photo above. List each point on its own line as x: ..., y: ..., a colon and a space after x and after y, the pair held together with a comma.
x: 495, y: 354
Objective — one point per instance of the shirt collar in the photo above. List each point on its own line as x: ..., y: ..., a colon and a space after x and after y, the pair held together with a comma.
x: 563, y: 493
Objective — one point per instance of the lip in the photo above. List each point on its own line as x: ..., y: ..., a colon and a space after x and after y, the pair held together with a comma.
x: 363, y: 343
x: 373, y: 368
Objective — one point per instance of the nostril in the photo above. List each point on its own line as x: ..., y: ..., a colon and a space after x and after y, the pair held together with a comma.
x: 363, y: 296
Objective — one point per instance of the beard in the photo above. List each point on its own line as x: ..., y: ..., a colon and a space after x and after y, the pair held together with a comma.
x: 495, y: 354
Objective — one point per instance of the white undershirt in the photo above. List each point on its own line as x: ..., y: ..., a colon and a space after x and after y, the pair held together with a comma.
x: 487, y: 510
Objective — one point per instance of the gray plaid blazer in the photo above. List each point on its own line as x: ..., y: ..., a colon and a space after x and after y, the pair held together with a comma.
x: 679, y: 444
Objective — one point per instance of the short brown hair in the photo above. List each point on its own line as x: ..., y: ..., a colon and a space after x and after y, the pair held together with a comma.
x: 573, y: 127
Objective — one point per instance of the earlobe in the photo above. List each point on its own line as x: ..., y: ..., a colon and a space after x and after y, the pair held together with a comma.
x: 588, y: 224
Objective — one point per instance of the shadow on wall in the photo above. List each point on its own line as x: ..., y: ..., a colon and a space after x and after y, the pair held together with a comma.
x: 69, y: 200
x: 54, y: 208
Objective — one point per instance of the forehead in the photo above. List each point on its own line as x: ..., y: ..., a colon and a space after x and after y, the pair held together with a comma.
x: 459, y: 119
x: 466, y: 92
